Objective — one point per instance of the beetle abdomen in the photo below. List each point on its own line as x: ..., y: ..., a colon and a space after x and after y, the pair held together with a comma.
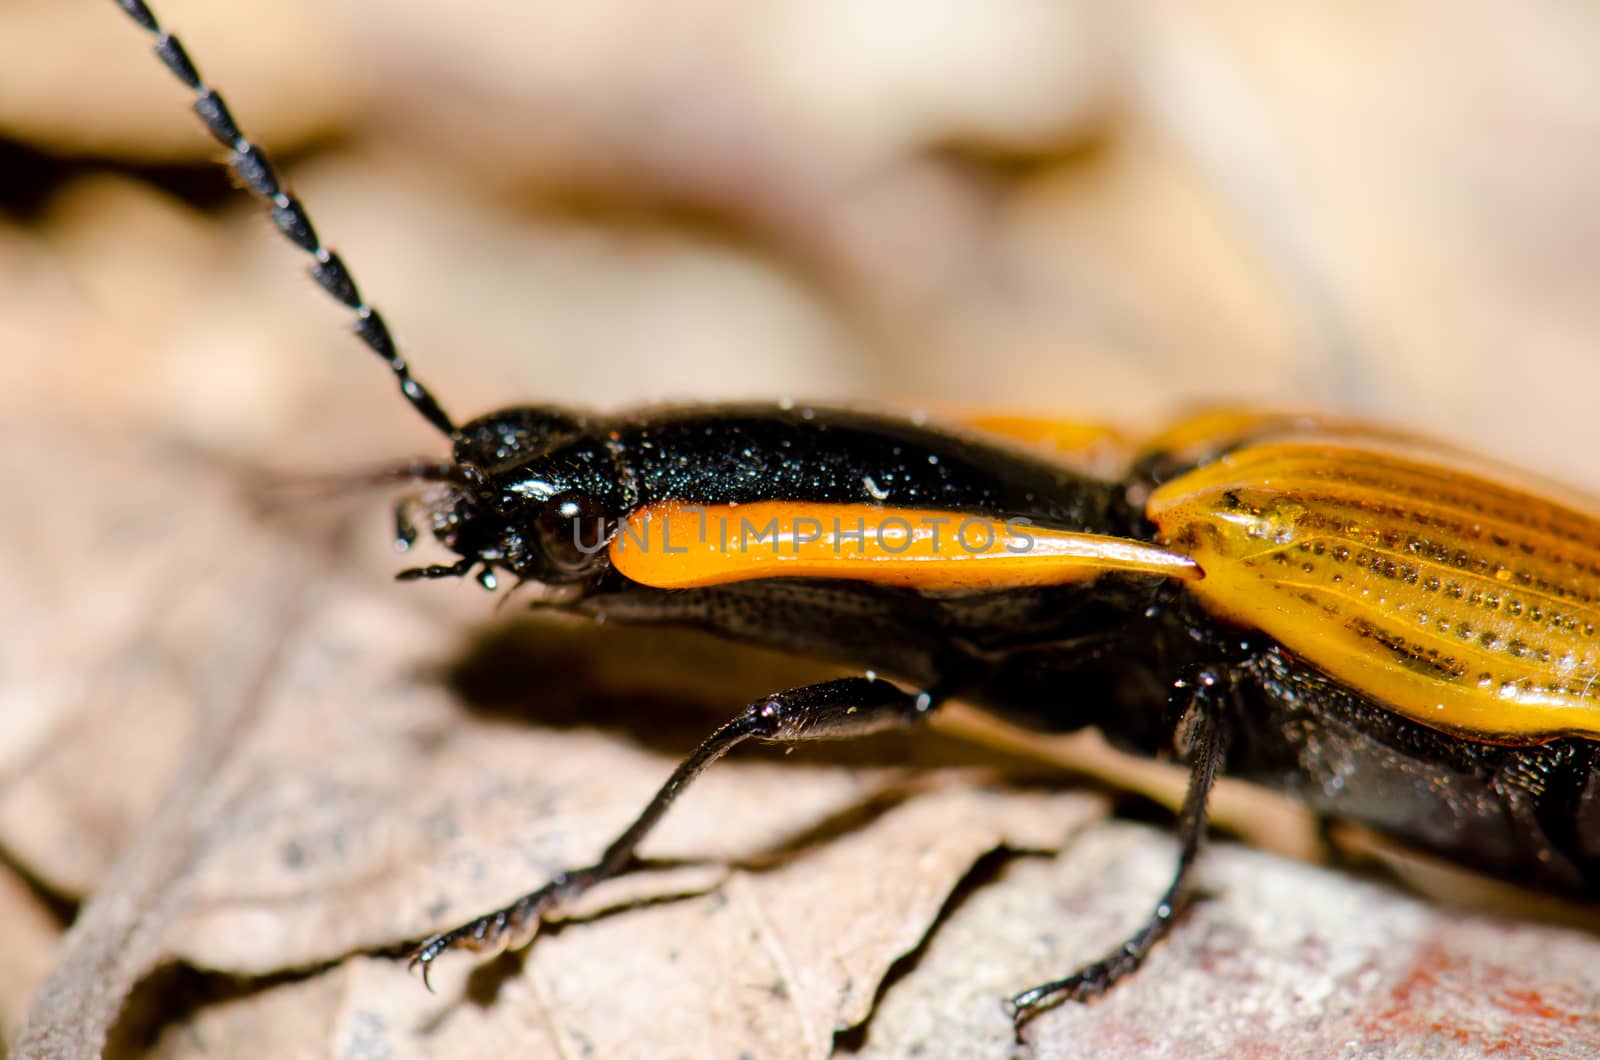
x: 1463, y: 603
x: 1529, y: 815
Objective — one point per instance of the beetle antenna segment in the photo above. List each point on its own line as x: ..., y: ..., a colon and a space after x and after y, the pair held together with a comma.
x: 249, y: 162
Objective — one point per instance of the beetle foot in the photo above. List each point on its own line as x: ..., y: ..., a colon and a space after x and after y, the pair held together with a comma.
x: 1085, y: 984
x: 509, y: 928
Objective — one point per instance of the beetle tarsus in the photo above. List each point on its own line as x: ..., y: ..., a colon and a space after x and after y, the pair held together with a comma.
x: 1206, y: 688
x: 503, y: 928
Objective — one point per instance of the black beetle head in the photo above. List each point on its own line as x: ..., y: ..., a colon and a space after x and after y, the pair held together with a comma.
x: 533, y: 493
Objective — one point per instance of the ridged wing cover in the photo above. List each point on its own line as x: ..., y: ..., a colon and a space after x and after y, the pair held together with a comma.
x: 1458, y: 600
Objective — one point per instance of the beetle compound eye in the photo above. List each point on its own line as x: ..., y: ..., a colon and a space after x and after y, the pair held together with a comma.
x: 572, y: 531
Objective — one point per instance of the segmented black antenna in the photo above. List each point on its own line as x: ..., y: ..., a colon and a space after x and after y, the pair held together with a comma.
x: 251, y: 165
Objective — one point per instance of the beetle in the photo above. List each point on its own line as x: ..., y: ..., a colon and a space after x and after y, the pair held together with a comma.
x: 1390, y: 631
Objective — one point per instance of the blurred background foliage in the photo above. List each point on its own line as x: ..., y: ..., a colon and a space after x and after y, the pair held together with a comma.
x: 1072, y: 208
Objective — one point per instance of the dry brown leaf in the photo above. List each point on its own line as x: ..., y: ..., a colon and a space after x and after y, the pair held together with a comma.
x: 32, y: 938
x: 1278, y: 960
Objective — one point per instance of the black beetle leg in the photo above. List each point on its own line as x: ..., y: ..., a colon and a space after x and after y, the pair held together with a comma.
x: 1206, y: 688
x: 853, y: 706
